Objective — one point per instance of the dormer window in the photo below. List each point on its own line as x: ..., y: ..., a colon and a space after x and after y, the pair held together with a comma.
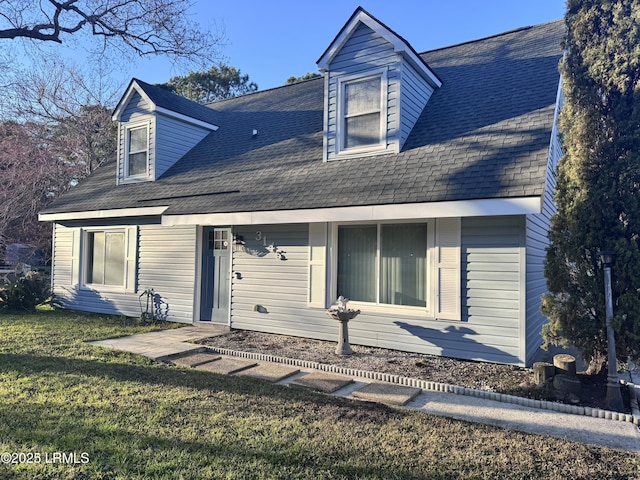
x: 376, y: 87
x: 137, y: 151
x: 155, y: 129
x: 362, y: 111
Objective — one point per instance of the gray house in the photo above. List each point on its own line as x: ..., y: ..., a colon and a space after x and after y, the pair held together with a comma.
x: 417, y: 185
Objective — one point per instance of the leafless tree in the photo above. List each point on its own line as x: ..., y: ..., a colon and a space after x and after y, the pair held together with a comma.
x: 147, y: 27
x: 30, y: 177
x: 76, y: 108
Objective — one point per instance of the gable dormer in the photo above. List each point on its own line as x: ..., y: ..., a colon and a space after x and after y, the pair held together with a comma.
x: 376, y: 86
x: 155, y: 129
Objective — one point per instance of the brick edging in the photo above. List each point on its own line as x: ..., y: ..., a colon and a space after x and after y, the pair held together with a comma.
x: 445, y: 387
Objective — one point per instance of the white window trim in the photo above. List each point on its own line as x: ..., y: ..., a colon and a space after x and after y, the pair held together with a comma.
x: 431, y: 293
x: 125, y: 164
x: 126, y: 286
x: 343, y: 152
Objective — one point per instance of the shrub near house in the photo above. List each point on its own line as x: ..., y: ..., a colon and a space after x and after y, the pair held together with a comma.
x: 25, y: 293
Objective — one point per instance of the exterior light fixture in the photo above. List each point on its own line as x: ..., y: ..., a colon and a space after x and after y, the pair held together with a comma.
x: 607, y: 257
x: 238, y: 243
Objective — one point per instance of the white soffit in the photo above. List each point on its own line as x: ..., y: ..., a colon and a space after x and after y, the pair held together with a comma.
x: 406, y: 211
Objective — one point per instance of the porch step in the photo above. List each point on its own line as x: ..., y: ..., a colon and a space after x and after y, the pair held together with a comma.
x: 272, y: 372
x: 227, y: 366
x: 193, y: 360
x: 387, y: 393
x: 323, y: 382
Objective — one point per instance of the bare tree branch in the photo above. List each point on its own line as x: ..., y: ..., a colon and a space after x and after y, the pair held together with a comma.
x: 147, y: 27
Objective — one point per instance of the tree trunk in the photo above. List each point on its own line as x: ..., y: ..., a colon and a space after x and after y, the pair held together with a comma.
x: 596, y: 364
x: 565, y: 364
x: 543, y: 371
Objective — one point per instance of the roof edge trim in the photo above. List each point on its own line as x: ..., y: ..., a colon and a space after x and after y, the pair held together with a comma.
x: 400, y: 45
x: 91, y: 214
x: 403, y: 211
x: 131, y: 89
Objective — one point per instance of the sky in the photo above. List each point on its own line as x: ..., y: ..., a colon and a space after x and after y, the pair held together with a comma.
x: 271, y: 40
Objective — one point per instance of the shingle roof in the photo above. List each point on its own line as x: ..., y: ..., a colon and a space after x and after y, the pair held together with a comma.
x: 176, y: 103
x: 484, y: 134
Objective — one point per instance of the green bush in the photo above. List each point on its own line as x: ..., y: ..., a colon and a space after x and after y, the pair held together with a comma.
x: 26, y: 293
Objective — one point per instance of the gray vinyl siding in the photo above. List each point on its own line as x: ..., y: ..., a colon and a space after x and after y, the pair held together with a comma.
x: 414, y: 95
x: 363, y: 52
x: 137, y: 111
x: 407, y: 91
x: 174, y: 139
x: 270, y: 295
x: 537, y: 233
x: 537, y: 242
x: 492, y: 290
x: 490, y: 296
x: 166, y: 263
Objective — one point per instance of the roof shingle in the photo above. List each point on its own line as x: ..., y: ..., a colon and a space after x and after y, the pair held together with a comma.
x: 484, y: 134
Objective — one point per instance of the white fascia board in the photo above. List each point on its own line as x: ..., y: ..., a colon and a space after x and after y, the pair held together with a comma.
x: 185, y: 118
x: 347, y: 31
x: 399, y: 46
x: 92, y: 214
x: 405, y: 211
x: 134, y: 87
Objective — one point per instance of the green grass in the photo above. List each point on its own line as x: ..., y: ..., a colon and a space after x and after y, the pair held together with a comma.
x: 137, y: 419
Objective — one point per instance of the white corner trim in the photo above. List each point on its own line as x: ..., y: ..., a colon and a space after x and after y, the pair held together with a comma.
x: 90, y: 214
x: 405, y: 211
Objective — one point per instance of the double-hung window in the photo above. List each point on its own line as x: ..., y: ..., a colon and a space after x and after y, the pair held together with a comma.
x: 105, y: 258
x: 383, y: 263
x: 137, y: 151
x: 362, y: 113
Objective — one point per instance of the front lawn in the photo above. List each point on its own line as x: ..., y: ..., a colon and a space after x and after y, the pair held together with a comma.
x: 79, y: 411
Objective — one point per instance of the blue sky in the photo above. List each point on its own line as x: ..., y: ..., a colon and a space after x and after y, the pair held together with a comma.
x: 271, y: 40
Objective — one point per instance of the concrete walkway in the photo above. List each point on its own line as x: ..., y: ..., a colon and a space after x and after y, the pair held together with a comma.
x: 589, y: 426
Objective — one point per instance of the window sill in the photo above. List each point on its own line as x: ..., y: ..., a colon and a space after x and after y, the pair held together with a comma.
x: 368, y: 152
x: 404, y: 310
x: 139, y: 179
x: 96, y: 288
x: 401, y: 311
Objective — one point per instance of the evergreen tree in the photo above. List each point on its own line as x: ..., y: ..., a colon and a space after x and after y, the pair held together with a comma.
x: 307, y: 76
x: 598, y: 182
x: 220, y: 81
